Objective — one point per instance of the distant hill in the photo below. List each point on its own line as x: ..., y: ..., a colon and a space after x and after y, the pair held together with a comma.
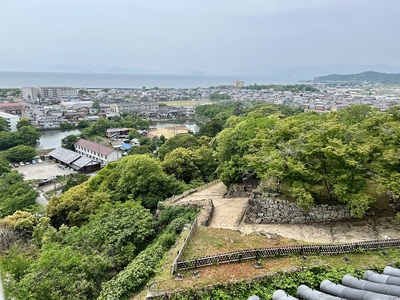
x: 370, y: 76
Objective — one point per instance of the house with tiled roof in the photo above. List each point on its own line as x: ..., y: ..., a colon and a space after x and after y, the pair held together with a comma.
x: 14, y: 108
x: 97, y: 152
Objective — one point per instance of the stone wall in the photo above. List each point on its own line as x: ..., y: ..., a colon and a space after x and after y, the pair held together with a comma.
x: 263, y: 210
x: 239, y: 191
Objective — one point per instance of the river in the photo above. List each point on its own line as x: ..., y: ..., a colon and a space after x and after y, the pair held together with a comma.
x: 51, y: 139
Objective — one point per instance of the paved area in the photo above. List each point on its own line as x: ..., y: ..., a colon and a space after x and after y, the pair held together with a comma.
x: 43, y: 170
x: 228, y: 213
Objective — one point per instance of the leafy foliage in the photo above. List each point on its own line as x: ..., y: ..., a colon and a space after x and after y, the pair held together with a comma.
x: 15, y: 194
x: 74, y: 180
x: 20, y: 153
x: 69, y: 141
x: 178, y: 141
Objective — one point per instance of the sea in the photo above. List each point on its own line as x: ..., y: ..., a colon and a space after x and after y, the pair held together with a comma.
x: 108, y: 80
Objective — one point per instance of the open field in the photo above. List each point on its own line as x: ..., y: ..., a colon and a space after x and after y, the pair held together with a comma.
x: 168, y: 131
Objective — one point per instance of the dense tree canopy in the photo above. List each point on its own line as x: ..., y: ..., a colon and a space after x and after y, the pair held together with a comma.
x: 20, y: 153
x: 100, y: 127
x: 178, y: 141
x: 69, y: 141
x: 15, y: 194
x: 3, y: 124
x: 335, y: 156
x: 26, y: 135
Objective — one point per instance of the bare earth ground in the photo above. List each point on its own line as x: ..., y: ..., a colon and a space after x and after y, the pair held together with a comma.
x: 228, y: 213
x: 168, y: 131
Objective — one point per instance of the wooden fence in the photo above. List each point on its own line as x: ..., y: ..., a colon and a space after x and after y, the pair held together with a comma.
x: 192, y: 230
x: 238, y: 256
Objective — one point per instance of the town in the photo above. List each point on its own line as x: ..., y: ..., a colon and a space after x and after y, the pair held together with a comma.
x: 51, y: 107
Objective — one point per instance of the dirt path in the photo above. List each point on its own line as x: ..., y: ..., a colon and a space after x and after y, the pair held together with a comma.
x: 229, y: 211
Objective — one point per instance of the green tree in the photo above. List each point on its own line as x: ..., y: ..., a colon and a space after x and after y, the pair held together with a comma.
x: 29, y: 135
x: 4, y: 166
x: 74, y: 180
x: 211, y: 128
x: 178, y: 141
x: 21, y: 223
x: 20, y: 153
x: 3, y: 124
x: 117, y: 231
x: 9, y: 139
x: 183, y: 163
x: 74, y: 207
x: 69, y: 141
x: 23, y: 122
x: 15, y: 194
x: 83, y: 124
x: 61, y: 272
x: 142, y: 177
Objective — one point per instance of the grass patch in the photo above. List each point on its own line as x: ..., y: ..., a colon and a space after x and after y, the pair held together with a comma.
x: 209, y: 241
x: 230, y: 273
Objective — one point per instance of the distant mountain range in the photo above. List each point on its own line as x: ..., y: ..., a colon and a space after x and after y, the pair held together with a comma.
x: 370, y: 76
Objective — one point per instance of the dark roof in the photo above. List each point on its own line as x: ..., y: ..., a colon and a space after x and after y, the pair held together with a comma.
x: 384, y: 286
x: 64, y: 155
x: 94, y: 147
x: 81, y: 162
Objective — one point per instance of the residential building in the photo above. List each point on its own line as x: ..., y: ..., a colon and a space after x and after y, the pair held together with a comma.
x: 238, y: 84
x: 12, y: 120
x: 134, y: 107
x: 30, y: 93
x: 96, y: 151
x: 13, y: 108
x: 58, y: 92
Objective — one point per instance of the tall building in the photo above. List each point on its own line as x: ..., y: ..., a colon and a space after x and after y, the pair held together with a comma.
x: 58, y: 92
x: 54, y: 92
x: 12, y: 120
x: 30, y: 93
x: 238, y: 84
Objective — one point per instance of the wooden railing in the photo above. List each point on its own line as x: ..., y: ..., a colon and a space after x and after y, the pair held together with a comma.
x: 238, y: 256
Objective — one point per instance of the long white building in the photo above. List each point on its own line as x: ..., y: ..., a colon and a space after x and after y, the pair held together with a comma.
x: 51, y: 92
x: 96, y: 151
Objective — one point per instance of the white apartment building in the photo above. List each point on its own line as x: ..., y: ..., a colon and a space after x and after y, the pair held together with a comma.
x: 134, y: 107
x: 30, y: 93
x: 96, y: 151
x: 60, y: 92
x: 12, y: 120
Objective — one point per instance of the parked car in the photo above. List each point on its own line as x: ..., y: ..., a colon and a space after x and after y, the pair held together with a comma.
x: 21, y: 164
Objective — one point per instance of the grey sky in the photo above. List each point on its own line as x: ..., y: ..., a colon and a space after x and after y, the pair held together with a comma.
x: 219, y: 36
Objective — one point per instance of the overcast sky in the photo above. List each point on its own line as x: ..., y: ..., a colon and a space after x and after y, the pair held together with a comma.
x: 219, y: 36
